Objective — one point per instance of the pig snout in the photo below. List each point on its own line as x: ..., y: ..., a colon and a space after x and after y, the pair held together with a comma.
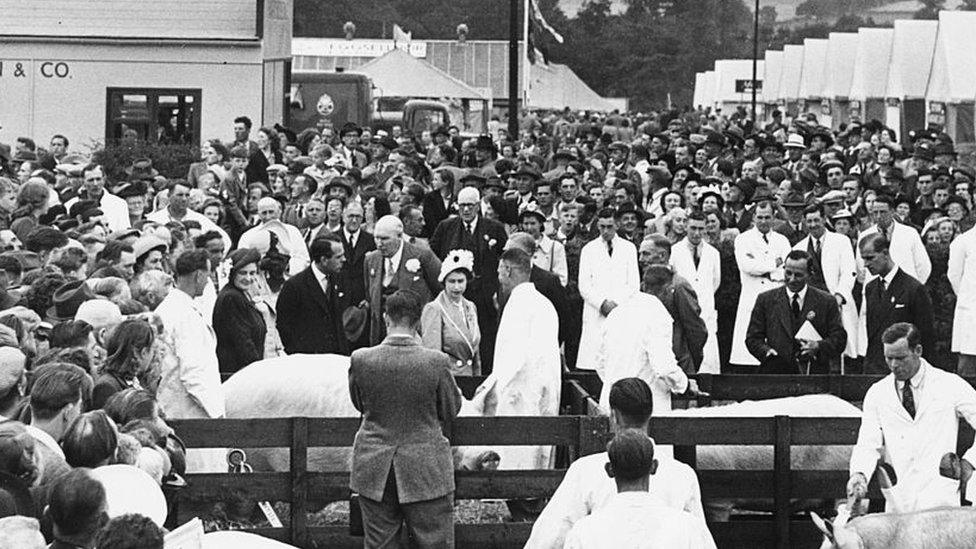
x: 476, y: 459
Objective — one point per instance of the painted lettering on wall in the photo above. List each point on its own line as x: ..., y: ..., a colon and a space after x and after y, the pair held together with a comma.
x: 46, y: 69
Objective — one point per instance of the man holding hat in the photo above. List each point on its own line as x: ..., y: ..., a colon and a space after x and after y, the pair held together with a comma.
x: 312, y: 305
x: 525, y: 180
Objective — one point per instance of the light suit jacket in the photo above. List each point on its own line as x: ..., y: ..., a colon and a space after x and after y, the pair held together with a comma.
x: 759, y: 272
x: 839, y: 271
x: 705, y: 278
x: 602, y: 277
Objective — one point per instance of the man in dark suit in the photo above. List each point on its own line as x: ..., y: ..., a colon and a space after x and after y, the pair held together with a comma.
x: 311, y: 303
x: 357, y: 243
x: 396, y: 265
x: 401, y: 463
x: 545, y: 282
x: 485, y: 238
x: 892, y: 296
x: 779, y: 314
x: 792, y: 227
x: 312, y: 224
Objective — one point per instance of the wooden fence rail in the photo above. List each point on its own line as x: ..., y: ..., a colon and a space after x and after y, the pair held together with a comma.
x: 583, y: 434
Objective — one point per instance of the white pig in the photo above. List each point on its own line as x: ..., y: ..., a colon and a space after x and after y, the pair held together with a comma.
x: 940, y: 528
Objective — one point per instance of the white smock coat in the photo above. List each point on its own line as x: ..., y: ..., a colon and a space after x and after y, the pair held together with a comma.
x: 638, y: 520
x: 637, y: 343
x: 839, y: 271
x: 602, y: 278
x: 190, y: 387
x: 527, y: 375
x: 760, y: 270
x: 914, y: 447
x: 705, y: 280
x: 962, y: 276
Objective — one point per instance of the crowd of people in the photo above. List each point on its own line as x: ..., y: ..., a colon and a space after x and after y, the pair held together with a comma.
x: 665, y: 245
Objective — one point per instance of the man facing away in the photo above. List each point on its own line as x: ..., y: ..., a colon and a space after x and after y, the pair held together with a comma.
x: 586, y: 490
x: 401, y: 464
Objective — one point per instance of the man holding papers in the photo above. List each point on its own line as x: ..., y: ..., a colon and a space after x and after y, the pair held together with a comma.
x: 795, y: 328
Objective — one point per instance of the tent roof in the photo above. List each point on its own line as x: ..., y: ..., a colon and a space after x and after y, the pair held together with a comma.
x: 727, y: 71
x: 953, y: 78
x: 557, y: 86
x: 774, y: 68
x: 812, y: 73
x: 789, y: 80
x: 839, y: 67
x: 871, y: 63
x: 396, y: 73
x: 708, y: 91
x: 912, y: 49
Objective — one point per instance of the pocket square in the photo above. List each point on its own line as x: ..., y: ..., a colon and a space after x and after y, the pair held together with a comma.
x: 899, y: 305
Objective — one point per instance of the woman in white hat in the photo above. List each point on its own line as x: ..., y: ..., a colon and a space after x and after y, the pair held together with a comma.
x: 449, y: 323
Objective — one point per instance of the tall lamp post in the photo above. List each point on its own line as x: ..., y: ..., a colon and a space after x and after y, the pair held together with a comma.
x: 513, y: 72
x: 755, y: 57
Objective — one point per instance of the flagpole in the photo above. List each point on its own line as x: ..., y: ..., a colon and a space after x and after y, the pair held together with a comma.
x: 513, y: 73
x: 525, y: 40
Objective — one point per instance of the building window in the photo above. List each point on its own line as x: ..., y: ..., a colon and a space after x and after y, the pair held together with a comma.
x: 157, y: 115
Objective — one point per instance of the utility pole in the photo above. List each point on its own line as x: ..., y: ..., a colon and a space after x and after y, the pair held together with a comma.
x: 755, y: 57
x: 513, y: 72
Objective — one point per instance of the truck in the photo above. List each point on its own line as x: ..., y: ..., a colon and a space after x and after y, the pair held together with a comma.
x: 319, y: 99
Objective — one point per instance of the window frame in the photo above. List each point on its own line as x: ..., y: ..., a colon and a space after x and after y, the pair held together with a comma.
x: 152, y: 106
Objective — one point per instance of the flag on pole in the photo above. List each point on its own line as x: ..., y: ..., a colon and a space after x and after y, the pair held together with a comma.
x: 400, y: 36
x: 537, y: 15
x: 534, y: 43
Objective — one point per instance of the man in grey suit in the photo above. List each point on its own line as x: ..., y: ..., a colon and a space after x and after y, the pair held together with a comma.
x: 396, y: 265
x: 401, y: 464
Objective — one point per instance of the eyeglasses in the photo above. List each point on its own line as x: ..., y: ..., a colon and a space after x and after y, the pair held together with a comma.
x: 466, y: 205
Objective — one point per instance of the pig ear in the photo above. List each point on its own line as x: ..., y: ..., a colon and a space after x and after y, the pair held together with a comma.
x: 824, y: 526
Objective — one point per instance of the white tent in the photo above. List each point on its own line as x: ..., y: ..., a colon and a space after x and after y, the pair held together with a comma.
x: 733, y: 82
x: 789, y: 80
x: 838, y: 73
x: 812, y: 75
x: 773, y: 68
x: 951, y: 90
x: 912, y: 49
x: 871, y: 63
x: 698, y: 98
x: 708, y: 89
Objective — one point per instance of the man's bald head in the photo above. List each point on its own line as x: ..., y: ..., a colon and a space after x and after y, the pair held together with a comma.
x: 521, y: 241
x: 389, y: 225
x: 469, y: 194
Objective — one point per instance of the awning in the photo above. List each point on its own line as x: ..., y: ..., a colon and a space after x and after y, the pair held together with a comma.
x: 839, y: 66
x: 773, y: 70
x: 812, y: 73
x: 912, y: 50
x: 953, y: 78
x: 871, y: 63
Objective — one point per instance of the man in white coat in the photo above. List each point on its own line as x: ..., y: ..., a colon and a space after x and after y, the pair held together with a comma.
x: 586, y: 488
x: 608, y: 275
x: 760, y: 253
x: 911, y: 420
x: 833, y: 269
x: 190, y: 387
x: 962, y: 276
x: 527, y: 373
x: 698, y: 262
x: 906, y: 246
x: 290, y: 239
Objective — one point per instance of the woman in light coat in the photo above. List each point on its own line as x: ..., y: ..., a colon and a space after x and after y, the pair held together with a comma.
x: 449, y: 323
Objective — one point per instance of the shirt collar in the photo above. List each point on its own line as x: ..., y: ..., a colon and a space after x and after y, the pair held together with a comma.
x: 474, y: 223
x: 916, y: 380
x: 396, y: 257
x: 802, y: 293
x: 319, y: 275
x: 890, y: 276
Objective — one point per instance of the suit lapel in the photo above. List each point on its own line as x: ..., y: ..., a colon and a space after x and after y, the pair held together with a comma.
x: 315, y: 289
x: 785, y: 313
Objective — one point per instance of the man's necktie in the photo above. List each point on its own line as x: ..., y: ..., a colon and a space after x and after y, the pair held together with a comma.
x: 816, y: 247
x: 908, y: 399
x: 610, y: 248
x: 796, y: 306
x: 765, y: 238
x: 695, y: 256
x: 467, y: 227
x: 881, y: 286
x: 388, y: 272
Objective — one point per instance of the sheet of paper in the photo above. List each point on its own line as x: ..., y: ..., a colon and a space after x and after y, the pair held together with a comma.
x: 808, y: 333
x: 187, y: 536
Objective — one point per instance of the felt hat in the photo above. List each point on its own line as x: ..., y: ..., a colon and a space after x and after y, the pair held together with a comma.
x: 67, y: 299
x: 794, y: 199
x: 129, y: 489
x: 350, y: 127
x: 833, y: 196
x: 354, y: 322
x: 795, y: 141
x: 148, y: 243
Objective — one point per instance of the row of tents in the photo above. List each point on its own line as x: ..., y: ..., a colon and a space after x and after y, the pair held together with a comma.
x: 914, y: 74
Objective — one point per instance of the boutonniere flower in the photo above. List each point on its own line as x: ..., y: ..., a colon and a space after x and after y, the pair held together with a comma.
x: 412, y: 265
x: 486, y: 237
x: 372, y: 272
x: 492, y: 243
x: 811, y: 315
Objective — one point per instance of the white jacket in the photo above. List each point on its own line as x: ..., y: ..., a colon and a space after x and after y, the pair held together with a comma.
x: 601, y: 278
x: 705, y: 280
x: 760, y: 270
x: 962, y: 276
x: 839, y: 271
x: 638, y: 520
x: 586, y: 488
x: 906, y: 249
x: 551, y: 256
x: 915, y: 447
